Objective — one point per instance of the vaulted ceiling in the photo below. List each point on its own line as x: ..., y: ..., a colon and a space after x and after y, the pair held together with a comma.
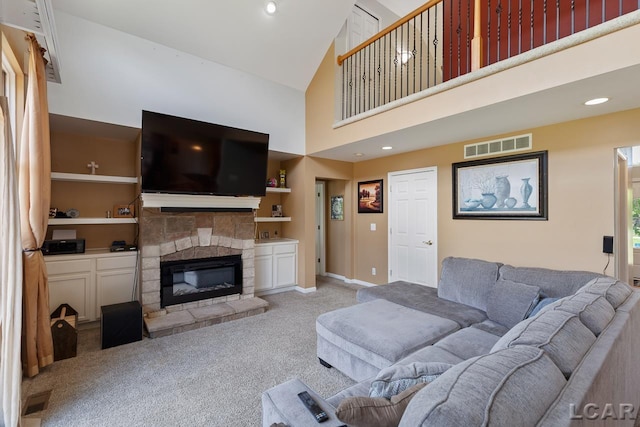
x: 286, y: 47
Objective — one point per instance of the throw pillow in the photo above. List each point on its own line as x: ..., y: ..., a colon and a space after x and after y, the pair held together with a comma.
x: 542, y: 304
x: 396, y: 379
x: 467, y: 281
x: 376, y: 411
x: 510, y: 302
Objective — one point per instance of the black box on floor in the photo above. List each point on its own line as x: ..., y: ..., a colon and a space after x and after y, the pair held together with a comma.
x: 120, y: 324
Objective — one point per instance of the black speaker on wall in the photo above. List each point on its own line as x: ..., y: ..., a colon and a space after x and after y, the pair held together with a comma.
x: 120, y: 324
x: 607, y: 244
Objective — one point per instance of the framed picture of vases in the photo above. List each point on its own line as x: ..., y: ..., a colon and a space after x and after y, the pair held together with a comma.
x: 509, y: 187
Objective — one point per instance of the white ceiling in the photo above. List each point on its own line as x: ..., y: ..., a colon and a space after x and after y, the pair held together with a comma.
x: 286, y: 48
x: 402, y: 7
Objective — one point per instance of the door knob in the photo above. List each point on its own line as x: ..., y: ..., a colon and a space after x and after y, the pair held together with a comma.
x: 428, y: 243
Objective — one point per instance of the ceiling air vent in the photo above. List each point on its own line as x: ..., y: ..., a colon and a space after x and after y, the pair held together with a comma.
x: 498, y: 146
x: 35, y: 17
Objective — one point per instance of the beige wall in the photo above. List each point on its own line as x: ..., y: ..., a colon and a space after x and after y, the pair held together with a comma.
x: 581, y: 168
x: 581, y: 201
x: 303, y: 173
x: 338, y: 257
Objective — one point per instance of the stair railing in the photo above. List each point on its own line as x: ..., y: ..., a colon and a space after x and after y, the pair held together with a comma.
x: 445, y: 39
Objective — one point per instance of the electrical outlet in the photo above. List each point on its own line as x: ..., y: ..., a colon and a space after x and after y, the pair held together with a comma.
x: 373, y: 271
x: 373, y: 226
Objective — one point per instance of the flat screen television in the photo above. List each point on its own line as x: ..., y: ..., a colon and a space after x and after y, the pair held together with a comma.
x: 185, y: 156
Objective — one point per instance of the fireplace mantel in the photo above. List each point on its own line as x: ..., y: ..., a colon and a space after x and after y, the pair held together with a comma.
x: 160, y: 200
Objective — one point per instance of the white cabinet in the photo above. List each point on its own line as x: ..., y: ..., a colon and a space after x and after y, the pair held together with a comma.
x: 276, y: 265
x: 71, y: 282
x: 114, y: 280
x: 88, y: 281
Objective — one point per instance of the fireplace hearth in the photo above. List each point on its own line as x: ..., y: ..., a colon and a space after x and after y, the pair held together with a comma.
x: 190, y: 280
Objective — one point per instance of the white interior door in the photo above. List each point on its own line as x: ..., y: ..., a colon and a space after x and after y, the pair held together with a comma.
x: 413, y: 226
x: 362, y: 26
x: 320, y: 249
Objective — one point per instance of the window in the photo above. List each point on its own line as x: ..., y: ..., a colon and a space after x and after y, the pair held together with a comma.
x: 9, y: 79
x: 13, y: 80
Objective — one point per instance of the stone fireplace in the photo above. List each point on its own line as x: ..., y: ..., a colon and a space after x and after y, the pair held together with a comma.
x: 171, y: 239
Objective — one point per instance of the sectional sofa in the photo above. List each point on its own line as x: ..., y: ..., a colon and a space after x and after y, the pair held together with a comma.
x: 495, y: 345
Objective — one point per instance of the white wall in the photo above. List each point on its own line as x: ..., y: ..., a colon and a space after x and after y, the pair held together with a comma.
x: 110, y: 76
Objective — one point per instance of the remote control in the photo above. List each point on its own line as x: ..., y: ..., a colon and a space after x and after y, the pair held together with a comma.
x: 313, y: 407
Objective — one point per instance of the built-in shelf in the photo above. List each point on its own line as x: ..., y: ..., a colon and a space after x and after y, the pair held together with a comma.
x: 87, y: 221
x: 78, y: 177
x: 278, y: 190
x: 272, y: 219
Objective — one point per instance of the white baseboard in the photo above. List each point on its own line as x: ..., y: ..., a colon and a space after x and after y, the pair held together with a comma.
x: 346, y: 280
x: 274, y: 291
x: 363, y: 283
x: 305, y: 290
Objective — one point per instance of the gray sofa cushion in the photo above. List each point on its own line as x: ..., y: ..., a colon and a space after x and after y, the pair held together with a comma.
x: 397, y: 378
x: 467, y: 281
x: 468, y: 342
x: 552, y: 283
x: 594, y: 310
x: 613, y: 290
x: 494, y: 389
x: 559, y: 333
x: 423, y: 298
x: 510, y: 302
x: 491, y: 327
x: 430, y: 353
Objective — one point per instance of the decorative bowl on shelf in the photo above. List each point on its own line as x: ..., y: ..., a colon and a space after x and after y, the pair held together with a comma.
x: 73, y: 213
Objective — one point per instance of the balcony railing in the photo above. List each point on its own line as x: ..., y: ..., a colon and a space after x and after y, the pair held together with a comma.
x: 445, y: 39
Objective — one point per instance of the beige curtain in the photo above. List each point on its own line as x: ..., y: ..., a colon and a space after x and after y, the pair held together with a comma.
x: 10, y: 278
x: 34, y: 172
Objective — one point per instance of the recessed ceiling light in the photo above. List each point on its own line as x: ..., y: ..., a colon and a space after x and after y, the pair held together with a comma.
x: 271, y: 7
x: 358, y: 154
x: 596, y: 101
x: 387, y: 147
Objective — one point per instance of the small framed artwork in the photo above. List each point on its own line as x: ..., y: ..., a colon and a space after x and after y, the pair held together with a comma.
x: 123, y: 211
x: 510, y: 187
x: 264, y: 235
x: 337, y: 207
x: 370, y: 196
x: 276, y: 211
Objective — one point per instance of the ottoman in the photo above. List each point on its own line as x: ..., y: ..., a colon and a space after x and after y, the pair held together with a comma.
x: 362, y: 339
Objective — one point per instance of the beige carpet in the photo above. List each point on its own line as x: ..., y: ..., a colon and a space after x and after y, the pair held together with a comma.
x: 212, y: 376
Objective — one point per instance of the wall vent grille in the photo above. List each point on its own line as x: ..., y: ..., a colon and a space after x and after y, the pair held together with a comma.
x: 498, y: 146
